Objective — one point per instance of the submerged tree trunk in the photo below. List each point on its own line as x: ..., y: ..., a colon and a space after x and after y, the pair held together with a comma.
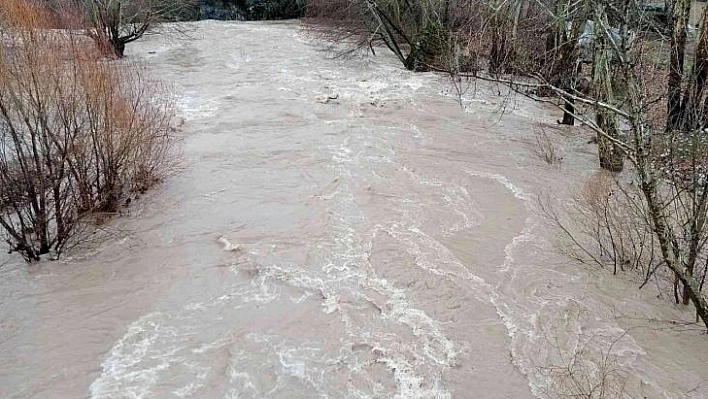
x: 569, y: 82
x: 119, y: 48
x: 568, y: 112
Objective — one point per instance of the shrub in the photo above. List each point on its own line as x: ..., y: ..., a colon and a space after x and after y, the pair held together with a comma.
x: 77, y: 134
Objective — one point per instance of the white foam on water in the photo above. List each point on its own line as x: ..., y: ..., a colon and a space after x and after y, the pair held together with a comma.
x: 520, y: 324
x: 374, y: 86
x: 348, y: 274
x: 192, y: 387
x: 118, y: 379
x: 154, y: 344
x: 191, y: 107
x: 517, y: 191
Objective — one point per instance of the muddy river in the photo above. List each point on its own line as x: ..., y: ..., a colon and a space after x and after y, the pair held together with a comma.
x: 338, y: 228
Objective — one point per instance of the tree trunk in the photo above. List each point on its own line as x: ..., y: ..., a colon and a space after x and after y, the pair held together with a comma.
x: 564, y: 65
x: 568, y: 112
x: 611, y: 157
x: 446, y: 14
x: 569, y: 82
x: 118, y: 47
x: 666, y: 237
x: 498, y: 52
x: 692, y: 117
x: 678, y: 22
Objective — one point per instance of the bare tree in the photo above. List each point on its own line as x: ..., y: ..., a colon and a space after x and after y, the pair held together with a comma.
x: 115, y: 23
x: 419, y: 33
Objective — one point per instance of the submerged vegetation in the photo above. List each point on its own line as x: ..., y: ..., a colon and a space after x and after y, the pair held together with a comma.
x: 78, y: 135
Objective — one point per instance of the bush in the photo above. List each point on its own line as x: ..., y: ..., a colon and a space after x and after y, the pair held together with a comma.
x: 78, y: 134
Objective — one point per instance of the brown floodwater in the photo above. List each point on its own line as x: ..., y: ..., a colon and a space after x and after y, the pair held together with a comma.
x: 338, y: 228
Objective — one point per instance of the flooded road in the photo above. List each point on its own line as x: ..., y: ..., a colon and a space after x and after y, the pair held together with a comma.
x: 336, y: 229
